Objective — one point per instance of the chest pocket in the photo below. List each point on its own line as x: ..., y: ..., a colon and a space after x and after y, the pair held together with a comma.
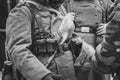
x: 87, y: 14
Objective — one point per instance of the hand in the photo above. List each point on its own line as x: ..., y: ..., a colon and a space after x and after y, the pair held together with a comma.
x: 101, y: 30
x: 84, y: 58
x: 76, y: 39
x: 75, y: 44
x: 52, y: 76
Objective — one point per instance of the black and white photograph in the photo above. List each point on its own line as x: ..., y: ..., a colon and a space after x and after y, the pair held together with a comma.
x: 59, y: 39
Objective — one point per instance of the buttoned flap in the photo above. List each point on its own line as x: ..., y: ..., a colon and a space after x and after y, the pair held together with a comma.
x: 87, y: 13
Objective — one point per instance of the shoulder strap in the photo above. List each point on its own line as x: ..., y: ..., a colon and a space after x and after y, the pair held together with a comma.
x: 35, y: 14
x: 36, y: 17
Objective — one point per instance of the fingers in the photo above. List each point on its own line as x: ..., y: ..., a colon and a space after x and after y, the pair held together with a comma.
x: 100, y: 32
x: 101, y: 29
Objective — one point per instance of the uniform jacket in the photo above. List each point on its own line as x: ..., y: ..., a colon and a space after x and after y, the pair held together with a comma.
x: 107, y: 58
x: 19, y: 39
x: 88, y: 13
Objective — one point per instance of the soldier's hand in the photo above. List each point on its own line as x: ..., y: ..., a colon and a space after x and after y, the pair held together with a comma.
x: 52, y: 76
x: 84, y: 59
x: 101, y: 30
x: 76, y: 39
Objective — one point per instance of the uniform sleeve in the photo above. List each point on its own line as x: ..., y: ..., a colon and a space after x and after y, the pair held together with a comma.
x: 18, y: 39
x: 107, y: 58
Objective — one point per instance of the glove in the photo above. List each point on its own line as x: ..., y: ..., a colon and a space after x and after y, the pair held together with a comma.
x: 84, y: 58
x: 76, y: 39
x: 52, y: 76
x: 75, y: 44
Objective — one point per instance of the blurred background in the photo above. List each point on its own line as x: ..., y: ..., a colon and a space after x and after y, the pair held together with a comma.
x: 5, y: 7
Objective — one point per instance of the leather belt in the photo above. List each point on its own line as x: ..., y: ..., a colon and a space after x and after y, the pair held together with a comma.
x: 85, y: 29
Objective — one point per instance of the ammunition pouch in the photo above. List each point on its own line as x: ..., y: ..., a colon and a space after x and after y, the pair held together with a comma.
x: 48, y: 46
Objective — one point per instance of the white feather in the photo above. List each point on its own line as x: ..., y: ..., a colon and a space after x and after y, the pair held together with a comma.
x: 67, y: 27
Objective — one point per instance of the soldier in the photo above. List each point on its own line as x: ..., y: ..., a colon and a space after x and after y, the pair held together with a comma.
x: 89, y: 16
x: 107, y: 57
x: 32, y: 41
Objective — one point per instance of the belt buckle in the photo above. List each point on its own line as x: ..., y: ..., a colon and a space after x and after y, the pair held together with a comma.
x: 85, y: 29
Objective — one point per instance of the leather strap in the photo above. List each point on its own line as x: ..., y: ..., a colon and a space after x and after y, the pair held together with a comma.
x: 35, y: 14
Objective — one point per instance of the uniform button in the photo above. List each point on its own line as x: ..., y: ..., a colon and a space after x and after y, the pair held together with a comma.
x: 37, y: 15
x: 96, y: 14
x: 97, y: 23
x: 118, y: 49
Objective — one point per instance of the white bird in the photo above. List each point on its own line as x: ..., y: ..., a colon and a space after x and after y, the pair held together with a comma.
x: 67, y: 27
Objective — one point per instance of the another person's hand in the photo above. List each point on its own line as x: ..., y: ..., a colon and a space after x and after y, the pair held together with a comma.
x: 52, y: 76
x: 101, y: 30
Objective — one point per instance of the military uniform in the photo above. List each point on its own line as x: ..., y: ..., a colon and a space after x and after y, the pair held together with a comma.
x: 29, y: 46
x: 107, y: 58
x: 89, y: 14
